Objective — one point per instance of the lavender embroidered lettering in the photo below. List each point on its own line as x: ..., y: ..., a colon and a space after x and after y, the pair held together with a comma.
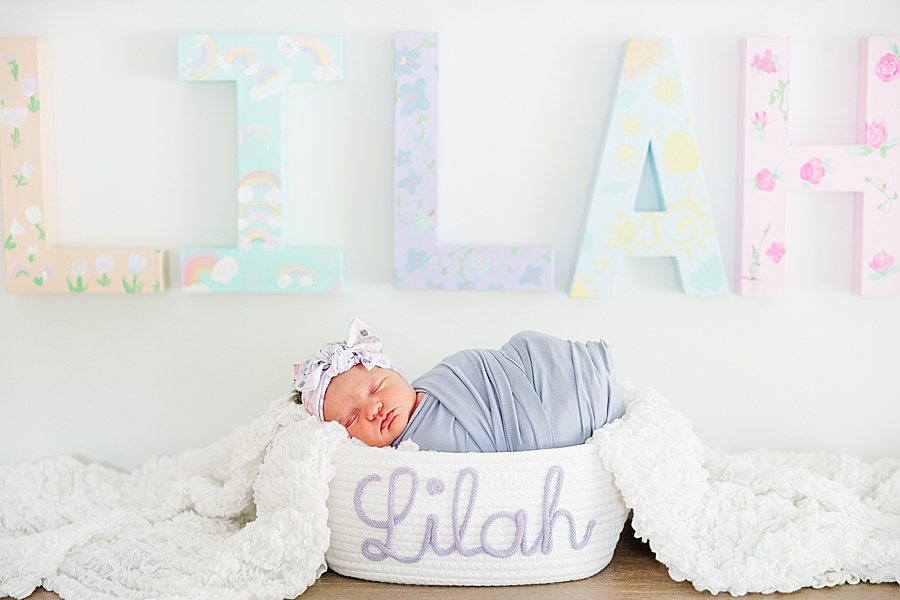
x: 377, y: 550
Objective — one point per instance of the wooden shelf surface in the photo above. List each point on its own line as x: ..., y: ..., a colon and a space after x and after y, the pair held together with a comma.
x: 633, y: 574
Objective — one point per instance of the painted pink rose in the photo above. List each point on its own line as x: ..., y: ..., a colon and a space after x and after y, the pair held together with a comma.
x: 876, y: 133
x: 764, y: 63
x: 760, y: 118
x: 765, y: 181
x: 882, y: 261
x: 812, y: 171
x: 776, y: 251
x: 888, y: 68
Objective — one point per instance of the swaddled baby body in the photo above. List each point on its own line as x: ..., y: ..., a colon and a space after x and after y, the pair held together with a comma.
x: 536, y: 392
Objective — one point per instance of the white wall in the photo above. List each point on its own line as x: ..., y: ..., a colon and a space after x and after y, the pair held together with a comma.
x: 144, y: 159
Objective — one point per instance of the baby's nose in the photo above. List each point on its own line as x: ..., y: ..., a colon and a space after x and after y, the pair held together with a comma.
x: 373, y: 408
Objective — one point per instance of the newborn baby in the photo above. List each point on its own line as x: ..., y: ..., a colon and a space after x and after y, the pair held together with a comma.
x: 536, y: 392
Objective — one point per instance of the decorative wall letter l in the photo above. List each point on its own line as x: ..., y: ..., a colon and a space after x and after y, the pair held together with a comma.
x: 648, y: 116
x: 771, y: 167
x: 419, y: 262
x: 34, y: 262
x: 261, y: 65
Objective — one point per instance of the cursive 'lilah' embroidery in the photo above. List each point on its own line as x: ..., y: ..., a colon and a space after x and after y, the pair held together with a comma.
x: 377, y: 550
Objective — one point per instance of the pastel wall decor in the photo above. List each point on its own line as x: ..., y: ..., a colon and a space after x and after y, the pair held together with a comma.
x: 649, y: 127
x: 419, y: 261
x: 34, y: 261
x: 770, y: 167
x: 260, y: 66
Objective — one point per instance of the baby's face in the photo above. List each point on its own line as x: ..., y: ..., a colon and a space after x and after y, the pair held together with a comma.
x: 374, y: 406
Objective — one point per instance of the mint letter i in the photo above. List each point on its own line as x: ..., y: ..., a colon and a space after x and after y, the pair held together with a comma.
x: 261, y: 66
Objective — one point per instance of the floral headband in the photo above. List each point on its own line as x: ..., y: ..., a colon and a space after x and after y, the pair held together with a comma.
x: 311, y: 378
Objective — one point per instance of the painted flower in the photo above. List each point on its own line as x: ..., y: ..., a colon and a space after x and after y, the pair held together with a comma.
x: 422, y: 222
x: 104, y: 263
x: 15, y: 228
x: 759, y: 121
x: 46, y: 274
x: 411, y: 182
x: 532, y: 275
x: 420, y: 144
x: 431, y: 285
x: 416, y: 260
x: 478, y: 268
x: 775, y: 251
x: 32, y: 250
x: 888, y: 67
x: 403, y: 157
x: 812, y: 171
x: 883, y: 265
x: 765, y: 180
x: 30, y: 86
x: 137, y: 264
x: 8, y: 58
x: 24, y: 174
x: 13, y: 117
x: 465, y: 285
x: 876, y: 133
x: 667, y: 91
x: 33, y: 214
x: 406, y: 61
x: 882, y: 261
x: 765, y: 63
x: 79, y: 267
x: 414, y: 96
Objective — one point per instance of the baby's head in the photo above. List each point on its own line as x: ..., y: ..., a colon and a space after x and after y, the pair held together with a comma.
x: 355, y: 384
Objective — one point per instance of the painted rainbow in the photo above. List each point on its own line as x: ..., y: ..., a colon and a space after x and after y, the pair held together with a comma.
x: 194, y: 266
x: 200, y: 69
x: 241, y: 53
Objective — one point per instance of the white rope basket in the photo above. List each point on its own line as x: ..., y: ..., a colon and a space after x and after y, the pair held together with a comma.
x: 505, y: 518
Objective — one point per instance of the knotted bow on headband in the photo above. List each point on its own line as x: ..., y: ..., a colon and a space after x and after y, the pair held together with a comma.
x: 311, y: 378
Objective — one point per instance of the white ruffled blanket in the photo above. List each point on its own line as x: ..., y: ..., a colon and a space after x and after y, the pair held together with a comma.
x: 245, y: 517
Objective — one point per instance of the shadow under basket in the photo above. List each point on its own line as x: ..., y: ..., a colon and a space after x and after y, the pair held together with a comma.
x: 504, y: 518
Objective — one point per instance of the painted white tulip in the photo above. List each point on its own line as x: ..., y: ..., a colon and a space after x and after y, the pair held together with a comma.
x: 79, y: 267
x: 33, y: 249
x: 137, y: 264
x: 104, y: 263
x: 33, y: 213
x: 47, y: 274
x: 29, y: 86
x: 13, y: 117
x: 15, y: 228
x: 27, y: 170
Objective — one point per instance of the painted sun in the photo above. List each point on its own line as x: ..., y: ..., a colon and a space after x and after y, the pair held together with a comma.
x: 667, y: 92
x: 632, y: 124
x: 641, y: 57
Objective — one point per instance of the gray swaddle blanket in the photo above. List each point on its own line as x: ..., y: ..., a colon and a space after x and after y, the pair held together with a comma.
x: 536, y: 392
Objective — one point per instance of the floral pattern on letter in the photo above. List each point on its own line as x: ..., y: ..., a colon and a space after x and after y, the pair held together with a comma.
x: 888, y: 67
x: 765, y: 62
x: 883, y: 265
x: 775, y: 251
